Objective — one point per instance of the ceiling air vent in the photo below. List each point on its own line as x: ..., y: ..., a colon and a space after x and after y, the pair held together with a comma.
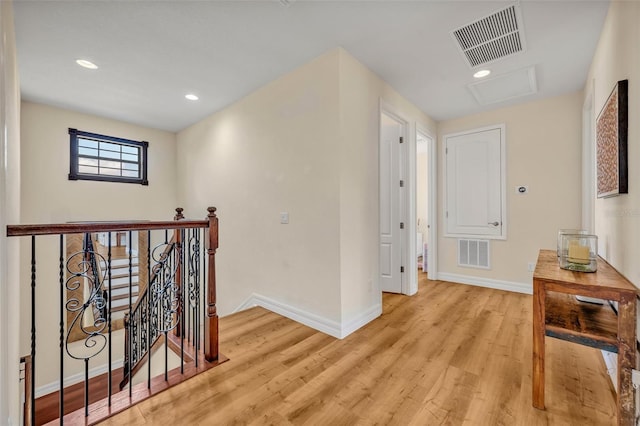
x: 505, y: 87
x: 491, y: 38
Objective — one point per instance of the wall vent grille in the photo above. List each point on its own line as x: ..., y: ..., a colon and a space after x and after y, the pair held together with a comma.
x: 473, y: 253
x: 491, y: 38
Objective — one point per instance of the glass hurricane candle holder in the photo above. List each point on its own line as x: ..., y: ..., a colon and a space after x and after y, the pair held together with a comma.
x: 562, y: 232
x: 579, y: 252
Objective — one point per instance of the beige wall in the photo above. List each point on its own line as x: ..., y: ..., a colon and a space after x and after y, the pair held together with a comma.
x: 360, y: 94
x: 9, y: 214
x: 306, y: 143
x: 48, y: 196
x: 276, y: 150
x: 617, y: 219
x: 543, y: 148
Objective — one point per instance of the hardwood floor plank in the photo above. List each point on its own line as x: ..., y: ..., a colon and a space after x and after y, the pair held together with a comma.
x: 450, y: 355
x: 472, y: 353
x: 448, y: 399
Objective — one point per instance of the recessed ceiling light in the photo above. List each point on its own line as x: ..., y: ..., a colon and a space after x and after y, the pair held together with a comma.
x: 482, y: 73
x: 86, y: 64
x: 191, y: 97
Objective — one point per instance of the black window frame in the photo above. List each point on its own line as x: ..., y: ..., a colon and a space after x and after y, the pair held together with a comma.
x: 74, y: 174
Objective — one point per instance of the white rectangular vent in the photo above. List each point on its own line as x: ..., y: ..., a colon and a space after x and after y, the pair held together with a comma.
x: 505, y: 87
x: 491, y: 38
x: 473, y: 253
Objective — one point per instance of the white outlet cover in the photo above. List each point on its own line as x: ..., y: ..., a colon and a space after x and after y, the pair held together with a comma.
x: 284, y: 217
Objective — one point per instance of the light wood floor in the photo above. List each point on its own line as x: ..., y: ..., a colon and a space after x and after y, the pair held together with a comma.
x: 451, y: 355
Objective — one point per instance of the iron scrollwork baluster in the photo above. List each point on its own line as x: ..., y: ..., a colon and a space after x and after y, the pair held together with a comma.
x: 95, y: 303
x: 165, y: 291
x: 194, y: 270
x: 158, y: 305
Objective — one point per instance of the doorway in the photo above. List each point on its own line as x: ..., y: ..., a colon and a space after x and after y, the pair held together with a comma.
x: 400, y: 245
x: 425, y: 196
x: 393, y: 201
x: 422, y: 201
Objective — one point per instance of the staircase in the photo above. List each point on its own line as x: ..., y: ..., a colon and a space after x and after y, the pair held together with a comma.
x: 166, y: 293
x: 120, y: 282
x: 156, y: 311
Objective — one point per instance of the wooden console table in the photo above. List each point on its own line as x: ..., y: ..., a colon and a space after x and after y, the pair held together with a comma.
x: 557, y: 313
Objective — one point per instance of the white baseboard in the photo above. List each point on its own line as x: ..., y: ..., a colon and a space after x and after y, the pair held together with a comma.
x: 317, y: 322
x: 487, y: 282
x: 360, y: 320
x: 325, y: 325
x: 76, y: 378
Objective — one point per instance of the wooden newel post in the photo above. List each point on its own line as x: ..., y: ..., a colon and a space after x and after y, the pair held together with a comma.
x: 177, y: 331
x: 211, y: 323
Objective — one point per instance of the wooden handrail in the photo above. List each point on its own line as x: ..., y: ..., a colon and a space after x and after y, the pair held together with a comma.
x: 84, y: 227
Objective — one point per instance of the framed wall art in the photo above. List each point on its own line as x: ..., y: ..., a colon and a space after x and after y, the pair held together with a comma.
x: 611, y: 143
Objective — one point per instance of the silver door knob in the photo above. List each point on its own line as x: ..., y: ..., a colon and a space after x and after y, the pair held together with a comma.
x: 496, y: 223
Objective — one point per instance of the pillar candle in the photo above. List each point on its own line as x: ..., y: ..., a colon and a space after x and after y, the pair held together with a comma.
x: 578, y: 254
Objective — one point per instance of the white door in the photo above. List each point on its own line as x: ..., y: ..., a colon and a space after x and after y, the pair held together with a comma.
x: 475, y: 183
x: 391, y: 199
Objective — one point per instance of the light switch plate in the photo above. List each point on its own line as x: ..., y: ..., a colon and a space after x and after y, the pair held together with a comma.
x: 284, y: 217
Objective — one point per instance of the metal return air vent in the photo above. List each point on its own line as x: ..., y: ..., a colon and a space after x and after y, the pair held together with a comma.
x: 473, y: 253
x: 494, y: 37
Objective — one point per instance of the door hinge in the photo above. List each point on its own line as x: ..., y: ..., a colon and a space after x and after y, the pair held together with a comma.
x: 446, y: 214
x: 402, y: 269
x: 401, y: 184
x: 401, y: 139
x: 401, y: 225
x: 446, y: 150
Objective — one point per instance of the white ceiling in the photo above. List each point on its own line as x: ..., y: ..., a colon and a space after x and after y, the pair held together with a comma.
x: 151, y: 53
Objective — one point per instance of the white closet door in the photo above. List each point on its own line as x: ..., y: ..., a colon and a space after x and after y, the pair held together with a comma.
x: 391, y: 276
x: 475, y: 182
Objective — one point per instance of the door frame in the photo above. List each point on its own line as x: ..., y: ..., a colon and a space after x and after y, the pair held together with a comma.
x: 407, y: 209
x: 432, y: 210
x: 588, y: 159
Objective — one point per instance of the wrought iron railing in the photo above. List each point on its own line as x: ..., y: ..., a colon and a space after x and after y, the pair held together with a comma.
x: 90, y: 267
x: 178, y: 303
x: 172, y: 302
x: 156, y: 311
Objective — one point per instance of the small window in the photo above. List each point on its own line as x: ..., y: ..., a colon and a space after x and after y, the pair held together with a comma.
x: 106, y: 158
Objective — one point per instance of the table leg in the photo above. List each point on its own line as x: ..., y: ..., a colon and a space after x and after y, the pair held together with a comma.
x: 538, y: 344
x: 626, y: 358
